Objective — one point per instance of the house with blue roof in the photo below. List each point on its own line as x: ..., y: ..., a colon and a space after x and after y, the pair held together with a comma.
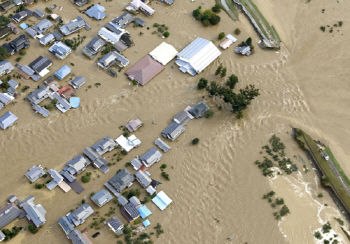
x: 66, y: 225
x: 144, y: 211
x: 63, y: 72
x: 96, y: 11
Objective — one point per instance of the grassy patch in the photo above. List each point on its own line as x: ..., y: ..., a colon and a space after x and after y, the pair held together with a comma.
x: 234, y: 14
x: 334, y: 181
x: 337, y: 165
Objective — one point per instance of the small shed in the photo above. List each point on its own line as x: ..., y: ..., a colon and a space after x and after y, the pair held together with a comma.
x: 146, y: 223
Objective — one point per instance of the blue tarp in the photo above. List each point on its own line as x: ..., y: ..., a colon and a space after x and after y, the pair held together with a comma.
x: 144, y: 211
x: 23, y: 26
x: 146, y: 223
x: 75, y: 102
x: 63, y: 72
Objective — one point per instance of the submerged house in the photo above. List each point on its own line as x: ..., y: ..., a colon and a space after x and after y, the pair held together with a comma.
x: 9, y: 213
x: 144, y: 70
x: 139, y: 5
x: 110, y: 36
x: 56, y: 179
x: 5, y: 31
x: 39, y: 95
x: 5, y: 67
x: 34, y: 213
x: 77, y: 165
x: 198, y: 110
x: 60, y: 50
x: 123, y: 20
x: 123, y: 179
x: 7, y: 5
x: 182, y: 118
x: 78, y: 238
x: 62, y: 104
x: 115, y: 225
x: 173, y: 131
x: 79, y: 215
x: 66, y: 226
x: 35, y: 173
x: 143, y: 178
x: 78, y: 82
x: 162, y: 145
x: 128, y: 143
x: 104, y: 145
x: 21, y: 42
x: 197, y: 56
x: 134, y: 125
x: 151, y: 157
x: 63, y: 72
x: 245, y: 51
x: 102, y: 197
x: 130, y: 212
x: 93, y: 47
x: 74, y: 26
x: 22, y: 15
x: 47, y: 39
x: 38, y: 68
x: 112, y: 58
x: 81, y: 2
x: 96, y: 12
x: 164, y: 53
x: 96, y: 159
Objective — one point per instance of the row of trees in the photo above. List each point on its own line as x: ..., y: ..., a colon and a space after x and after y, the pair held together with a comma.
x: 207, y: 17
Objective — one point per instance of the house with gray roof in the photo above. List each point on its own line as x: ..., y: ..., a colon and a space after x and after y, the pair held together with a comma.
x: 162, y: 145
x: 74, y: 26
x: 81, y: 2
x: 96, y: 159
x: 6, y: 98
x: 62, y: 104
x: 12, y: 198
x: 104, y: 145
x: 140, y: 22
x: 35, y: 173
x: 243, y: 50
x: 78, y: 238
x: 38, y: 68
x: 5, y: 31
x: 198, y: 110
x: 47, y: 39
x: 182, y: 118
x: 56, y: 179
x: 113, y: 35
x: 77, y: 165
x: 120, y: 46
x: 22, y: 15
x: 151, y: 157
x: 78, y: 82
x: 102, y: 197
x: 93, y: 47
x: 70, y: 178
x: 43, y: 26
x: 38, y: 14
x: 5, y: 67
x: 123, y: 20
x: 111, y: 58
x: 91, y: 154
x: 2, y: 236
x: 123, y: 179
x: 60, y: 50
x: 39, y: 95
x: 13, y: 84
x: 134, y: 125
x: 66, y: 226
x: 9, y: 213
x: 143, y: 178
x: 57, y: 35
x: 173, y: 131
x: 79, y: 215
x: 7, y: 120
x: 7, y: 5
x: 135, y: 201
x: 116, y: 225
x: 41, y: 110
x: 130, y: 212
x: 35, y: 213
x: 122, y: 200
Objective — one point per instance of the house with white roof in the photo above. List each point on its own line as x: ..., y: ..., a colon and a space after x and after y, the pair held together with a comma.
x: 197, y: 56
x: 140, y: 5
x: 128, y: 143
x: 164, y: 53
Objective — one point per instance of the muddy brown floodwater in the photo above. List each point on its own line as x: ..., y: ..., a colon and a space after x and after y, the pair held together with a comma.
x: 303, y: 85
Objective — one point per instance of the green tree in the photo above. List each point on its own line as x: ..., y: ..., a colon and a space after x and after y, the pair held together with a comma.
x: 218, y: 70
x: 147, y: 199
x: 206, y: 22
x: 85, y: 178
x: 196, y: 13
x: 3, y: 53
x: 221, y: 35
x: 239, y: 115
x: 209, y: 114
x: 165, y: 175
x: 22, y: 52
x: 216, y: 8
x: 127, y: 230
x: 318, y: 235
x: 69, y: 42
x: 232, y: 81
x: 166, y: 34
x: 249, y: 41
x: 195, y: 141
x: 223, y: 72
x: 215, y: 19
x: 326, y: 228
x: 237, y: 31
x: 202, y: 84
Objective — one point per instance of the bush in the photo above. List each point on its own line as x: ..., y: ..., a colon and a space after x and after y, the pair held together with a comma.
x: 33, y: 229
x: 166, y: 176
x: 219, y: 69
x: 18, y: 59
x: 22, y: 52
x: 68, y: 42
x: 134, y: 82
x: 216, y: 8
x: 318, y: 235
x: 206, y: 22
x: 48, y: 10
x: 223, y: 72
x: 209, y: 114
x: 195, y: 141
x: 127, y: 230
x: 83, y: 201
x: 237, y: 31
x: 166, y: 34
x: 202, y: 84
x: 221, y: 35
x: 163, y: 166
x: 320, y: 195
x: 249, y: 41
x: 126, y: 133
x: 232, y: 81
x: 92, y: 193
x: 85, y: 178
x: 215, y: 19
x: 147, y: 199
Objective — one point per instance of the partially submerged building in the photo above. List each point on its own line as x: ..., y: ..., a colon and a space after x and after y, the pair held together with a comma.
x: 34, y: 213
x: 151, y: 157
x: 74, y: 26
x: 93, y: 47
x: 96, y: 159
x: 111, y: 36
x: 123, y: 20
x: 245, y: 50
x: 96, y: 12
x: 78, y: 82
x: 7, y: 120
x: 164, y: 53
x: 130, y: 212
x: 39, y: 95
x: 5, y: 67
x: 143, y: 178
x: 5, y: 31
x: 60, y: 50
x: 182, y: 118
x: 22, y: 15
x: 139, y: 5
x: 197, y: 56
x: 198, y: 110
x: 77, y: 165
x: 162, y: 145
x: 35, y: 173
x: 101, y: 198
x: 123, y: 179
x: 173, y: 131
x: 128, y: 143
x: 56, y: 179
x: 79, y: 215
x: 63, y: 72
x: 66, y: 225
x: 78, y: 238
x: 144, y: 70
x: 162, y: 200
x: 134, y: 125
x: 112, y: 58
x: 115, y: 225
x: 104, y: 145
x: 81, y: 3
x: 9, y: 213
x: 21, y: 42
x: 47, y: 39
x: 38, y: 68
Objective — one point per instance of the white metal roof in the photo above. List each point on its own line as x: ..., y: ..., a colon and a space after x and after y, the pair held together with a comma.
x: 164, y: 53
x: 231, y: 37
x: 197, y: 56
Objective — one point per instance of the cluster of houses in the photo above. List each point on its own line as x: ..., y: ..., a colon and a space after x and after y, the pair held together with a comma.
x: 35, y: 213
x: 7, y: 5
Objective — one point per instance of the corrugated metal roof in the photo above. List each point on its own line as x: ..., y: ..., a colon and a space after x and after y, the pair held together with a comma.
x: 164, y: 53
